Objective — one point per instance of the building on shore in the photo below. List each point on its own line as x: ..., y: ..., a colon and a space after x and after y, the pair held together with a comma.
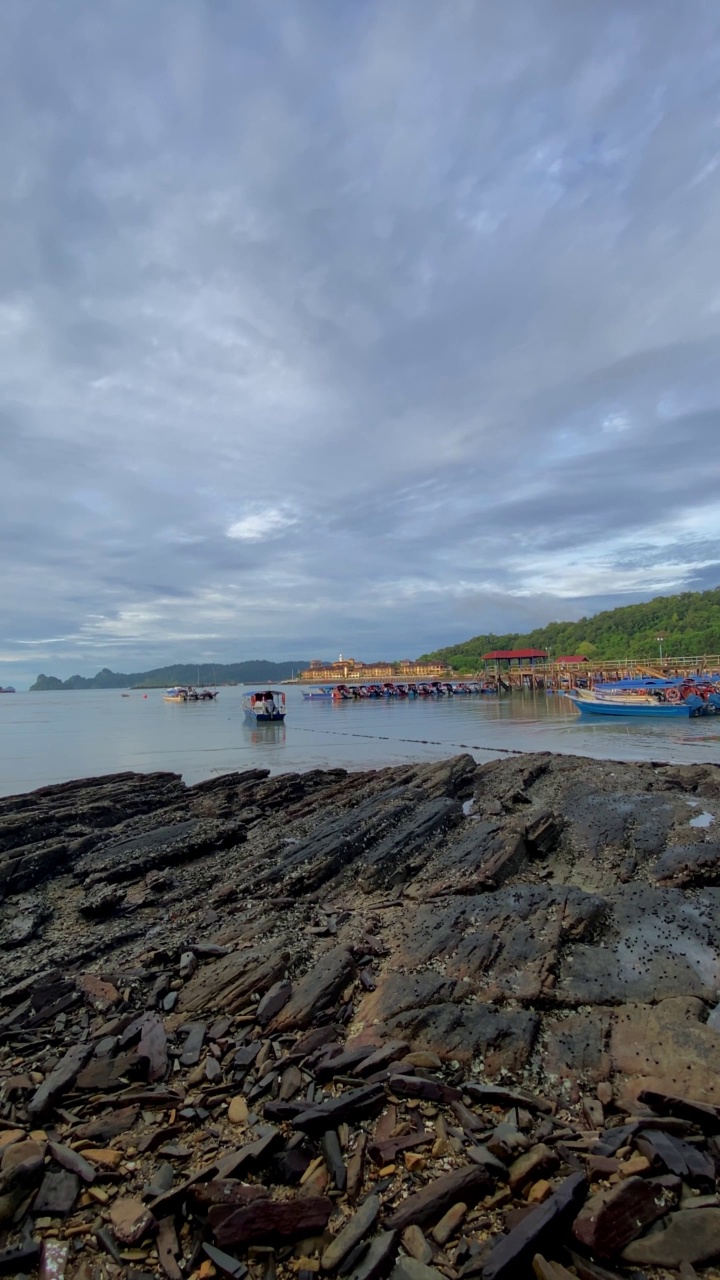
x: 367, y: 672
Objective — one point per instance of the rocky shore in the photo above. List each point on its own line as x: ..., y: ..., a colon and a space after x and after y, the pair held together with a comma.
x: 445, y: 1020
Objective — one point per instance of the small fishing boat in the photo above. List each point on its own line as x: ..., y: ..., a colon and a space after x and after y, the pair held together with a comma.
x: 8, y: 689
x: 264, y: 707
x: 187, y: 693
x: 642, y: 704
x: 318, y: 695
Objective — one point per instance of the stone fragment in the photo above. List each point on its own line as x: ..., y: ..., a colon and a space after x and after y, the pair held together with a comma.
x: 382, y: 1153
x: 412, y: 1269
x: 72, y: 1160
x: 414, y: 1242
x: 430, y: 1203
x: 21, y: 1153
x: 332, y: 1155
x: 347, y: 1106
x: 108, y: 1157
x: 687, y: 1237
x: 58, y: 1193
x: 62, y: 1077
x: 550, y: 1270
x: 53, y: 1259
x: 539, y: 1192
x: 355, y: 1230
x: 192, y: 1048
x: 516, y: 1250
x: 316, y: 990
x: 494, y: 1095
x: 273, y: 1001
x: 389, y: 1052
x: 10, y: 1136
x: 224, y: 1263
x: 611, y: 1219
x: 153, y: 1047
x: 377, y: 1259
x: 355, y: 1168
x: 270, y: 1220
x: 418, y: 1087
x: 539, y: 1158
x: 449, y: 1223
x: 168, y: 1249
x: 680, y: 1157
x: 131, y: 1220
x: 238, y: 1110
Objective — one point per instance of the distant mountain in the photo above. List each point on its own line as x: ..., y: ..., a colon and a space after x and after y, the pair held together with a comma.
x: 688, y: 623
x: 255, y: 671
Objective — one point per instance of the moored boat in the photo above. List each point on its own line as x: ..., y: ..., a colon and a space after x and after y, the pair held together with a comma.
x: 187, y: 693
x: 639, y: 704
x: 264, y: 707
x: 318, y: 695
x: 8, y: 689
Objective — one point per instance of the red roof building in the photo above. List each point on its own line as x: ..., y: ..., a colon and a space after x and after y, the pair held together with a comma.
x: 515, y: 655
x: 573, y: 657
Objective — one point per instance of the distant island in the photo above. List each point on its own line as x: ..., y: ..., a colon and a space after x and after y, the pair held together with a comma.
x: 255, y: 671
x: 686, y: 625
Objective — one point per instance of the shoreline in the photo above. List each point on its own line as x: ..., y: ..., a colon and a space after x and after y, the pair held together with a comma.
x: 531, y: 942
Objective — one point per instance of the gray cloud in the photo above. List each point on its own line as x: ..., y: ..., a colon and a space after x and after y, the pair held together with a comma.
x: 354, y: 326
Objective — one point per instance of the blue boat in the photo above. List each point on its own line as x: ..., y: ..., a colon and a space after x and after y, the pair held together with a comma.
x: 639, y: 705
x: 315, y: 695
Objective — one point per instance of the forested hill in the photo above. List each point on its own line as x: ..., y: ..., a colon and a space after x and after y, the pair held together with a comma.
x: 252, y: 672
x: 689, y: 624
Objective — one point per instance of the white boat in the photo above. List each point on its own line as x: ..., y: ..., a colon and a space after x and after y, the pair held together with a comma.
x: 264, y: 707
x: 186, y: 693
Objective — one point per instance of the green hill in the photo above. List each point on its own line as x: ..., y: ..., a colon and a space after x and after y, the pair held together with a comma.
x: 253, y: 672
x: 689, y: 624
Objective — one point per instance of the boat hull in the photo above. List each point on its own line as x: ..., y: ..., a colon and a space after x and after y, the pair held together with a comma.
x: 606, y: 707
x: 263, y: 717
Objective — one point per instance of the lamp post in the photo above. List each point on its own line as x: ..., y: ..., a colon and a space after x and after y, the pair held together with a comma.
x: 660, y: 644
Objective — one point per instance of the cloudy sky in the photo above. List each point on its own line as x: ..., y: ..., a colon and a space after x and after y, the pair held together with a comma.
x: 351, y: 325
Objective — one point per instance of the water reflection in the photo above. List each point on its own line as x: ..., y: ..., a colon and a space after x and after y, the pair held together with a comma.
x: 263, y: 735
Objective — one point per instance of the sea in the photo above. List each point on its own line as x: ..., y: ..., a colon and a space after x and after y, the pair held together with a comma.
x: 54, y: 737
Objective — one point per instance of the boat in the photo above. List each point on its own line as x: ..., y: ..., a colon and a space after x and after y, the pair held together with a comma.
x: 8, y: 689
x: 318, y: 695
x: 187, y: 693
x: 264, y: 707
x: 693, y: 704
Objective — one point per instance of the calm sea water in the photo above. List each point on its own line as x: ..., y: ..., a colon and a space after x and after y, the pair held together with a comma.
x: 53, y: 737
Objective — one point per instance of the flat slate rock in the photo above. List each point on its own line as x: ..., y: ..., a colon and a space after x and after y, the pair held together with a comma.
x: 352, y: 1233
x: 271, y: 1220
x: 347, y: 1106
x: 516, y: 1250
x: 377, y: 1259
x: 692, y: 1235
x: 430, y: 1203
x: 611, y: 1219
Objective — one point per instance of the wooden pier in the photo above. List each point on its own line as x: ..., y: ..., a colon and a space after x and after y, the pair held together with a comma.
x: 551, y: 675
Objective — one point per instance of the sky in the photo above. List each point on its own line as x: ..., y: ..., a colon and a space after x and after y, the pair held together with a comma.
x: 357, y: 327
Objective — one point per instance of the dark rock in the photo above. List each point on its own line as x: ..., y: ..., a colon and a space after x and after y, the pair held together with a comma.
x: 332, y: 1155
x: 491, y: 1095
x: 377, y: 1260
x: 358, y: 1226
x: 417, y: 1087
x: 224, y: 1263
x: 270, y: 1220
x: 382, y: 1153
x: 514, y: 1251
x: 706, y: 1117
x: 194, y: 1039
x: 688, y: 1236
x: 72, y: 1160
x: 347, y: 1106
x: 62, y: 1077
x: 58, y: 1193
x: 680, y: 1157
x: 272, y: 1002
x: 316, y: 990
x: 432, y: 1201
x: 611, y: 1219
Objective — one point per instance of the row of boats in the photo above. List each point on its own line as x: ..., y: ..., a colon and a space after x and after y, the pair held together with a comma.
x: 432, y: 689
x: 267, y: 706
x: 652, y: 696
